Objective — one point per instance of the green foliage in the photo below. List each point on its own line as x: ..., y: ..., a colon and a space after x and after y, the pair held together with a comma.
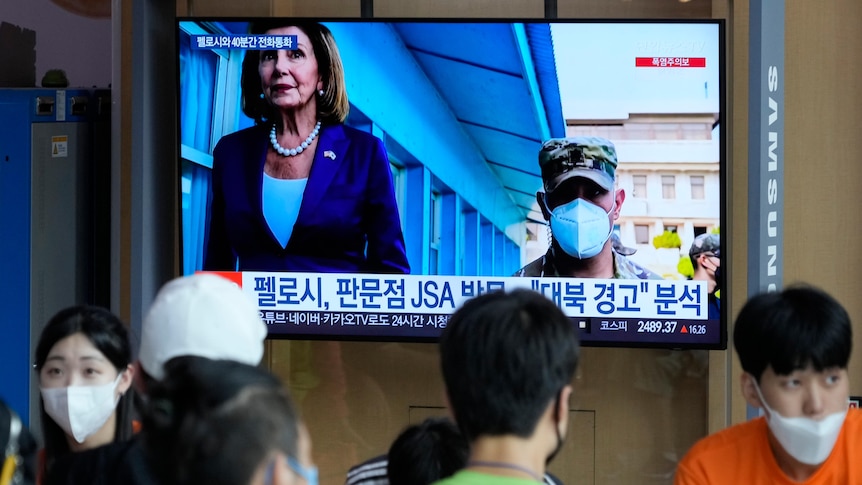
x: 667, y: 239
x: 685, y: 267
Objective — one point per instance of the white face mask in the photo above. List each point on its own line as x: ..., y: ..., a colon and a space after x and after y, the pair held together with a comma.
x: 81, y: 410
x: 807, y: 440
x: 581, y: 228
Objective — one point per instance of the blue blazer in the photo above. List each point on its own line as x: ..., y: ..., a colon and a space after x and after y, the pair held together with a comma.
x: 348, y: 220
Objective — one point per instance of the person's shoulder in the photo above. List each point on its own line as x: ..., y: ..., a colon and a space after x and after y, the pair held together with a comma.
x: 550, y: 479
x: 718, y: 447
x: 369, y: 472
x: 355, y: 135
x: 116, y: 462
x: 254, y: 132
x: 535, y: 267
x: 625, y: 268
x: 853, y: 421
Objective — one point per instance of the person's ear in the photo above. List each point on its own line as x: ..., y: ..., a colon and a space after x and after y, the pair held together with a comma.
x: 748, y: 386
x: 139, y: 380
x: 273, y: 471
x: 126, y: 379
x: 540, y: 198
x: 619, y: 198
x: 563, y: 410
x: 705, y: 262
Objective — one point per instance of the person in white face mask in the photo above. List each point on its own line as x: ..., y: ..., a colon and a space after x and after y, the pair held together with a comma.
x: 794, y: 347
x: 200, y: 315
x: 581, y: 202
x: 83, y: 359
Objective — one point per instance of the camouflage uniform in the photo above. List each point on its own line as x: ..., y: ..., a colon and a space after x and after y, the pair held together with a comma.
x: 624, y: 268
x: 595, y: 159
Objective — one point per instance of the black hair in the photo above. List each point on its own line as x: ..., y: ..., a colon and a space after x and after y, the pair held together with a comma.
x: 427, y: 452
x: 332, y: 106
x: 505, y: 357
x: 216, y: 421
x: 110, y: 336
x: 791, y: 329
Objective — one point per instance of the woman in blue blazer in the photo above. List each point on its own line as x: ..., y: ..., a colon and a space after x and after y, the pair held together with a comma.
x: 300, y: 191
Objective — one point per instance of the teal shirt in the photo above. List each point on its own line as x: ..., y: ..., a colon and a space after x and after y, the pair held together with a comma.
x: 469, y: 477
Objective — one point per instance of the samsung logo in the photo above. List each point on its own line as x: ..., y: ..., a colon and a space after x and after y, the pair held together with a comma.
x: 772, y: 182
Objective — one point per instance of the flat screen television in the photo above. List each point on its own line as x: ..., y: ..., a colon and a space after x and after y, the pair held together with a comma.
x: 422, y: 186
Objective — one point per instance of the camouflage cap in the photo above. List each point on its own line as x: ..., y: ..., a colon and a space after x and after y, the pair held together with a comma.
x: 582, y: 156
x: 706, y: 243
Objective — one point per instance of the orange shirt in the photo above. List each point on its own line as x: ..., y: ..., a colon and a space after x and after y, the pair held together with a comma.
x: 741, y: 455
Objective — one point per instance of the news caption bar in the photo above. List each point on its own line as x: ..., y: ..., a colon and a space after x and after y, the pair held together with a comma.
x: 252, y: 42
x: 371, y: 305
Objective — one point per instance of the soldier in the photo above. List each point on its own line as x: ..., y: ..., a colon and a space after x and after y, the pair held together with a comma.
x: 581, y: 203
x: 705, y: 254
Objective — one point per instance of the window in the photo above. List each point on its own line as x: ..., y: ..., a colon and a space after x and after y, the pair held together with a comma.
x: 641, y: 234
x: 639, y: 186
x: 697, y: 189
x: 668, y: 187
x: 434, y: 233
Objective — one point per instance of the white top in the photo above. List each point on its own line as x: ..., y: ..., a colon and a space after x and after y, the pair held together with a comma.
x: 281, y: 201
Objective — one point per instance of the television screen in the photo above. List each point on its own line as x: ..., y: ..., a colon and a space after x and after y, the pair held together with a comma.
x: 360, y: 179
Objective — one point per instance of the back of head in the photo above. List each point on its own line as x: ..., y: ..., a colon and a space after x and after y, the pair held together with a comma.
x: 18, y: 466
x: 427, y: 452
x: 203, y: 315
x: 216, y: 422
x: 505, y: 357
x: 791, y: 329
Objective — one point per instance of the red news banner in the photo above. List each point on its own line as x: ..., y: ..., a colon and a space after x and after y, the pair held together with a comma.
x: 670, y: 61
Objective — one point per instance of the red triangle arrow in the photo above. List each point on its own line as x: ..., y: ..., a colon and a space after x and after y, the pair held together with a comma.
x: 683, y: 330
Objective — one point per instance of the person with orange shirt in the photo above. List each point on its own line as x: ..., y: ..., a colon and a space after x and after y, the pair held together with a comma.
x: 794, y: 347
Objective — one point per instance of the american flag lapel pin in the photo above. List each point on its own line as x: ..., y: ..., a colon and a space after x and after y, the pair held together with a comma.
x: 329, y: 154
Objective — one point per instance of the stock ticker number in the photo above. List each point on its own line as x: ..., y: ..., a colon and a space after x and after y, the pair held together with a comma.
x: 656, y: 326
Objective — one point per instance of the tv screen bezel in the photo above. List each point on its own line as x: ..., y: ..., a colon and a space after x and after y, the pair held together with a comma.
x: 720, y: 344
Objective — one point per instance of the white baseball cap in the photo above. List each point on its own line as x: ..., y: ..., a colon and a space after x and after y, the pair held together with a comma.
x: 201, y: 315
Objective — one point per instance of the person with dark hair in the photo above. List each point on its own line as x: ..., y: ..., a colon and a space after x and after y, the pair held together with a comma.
x: 300, y: 190
x: 508, y: 360
x: 421, y: 454
x: 426, y: 452
x: 18, y: 466
x: 581, y: 201
x: 705, y: 254
x: 221, y: 422
x: 203, y: 315
x: 794, y: 346
x: 84, y: 362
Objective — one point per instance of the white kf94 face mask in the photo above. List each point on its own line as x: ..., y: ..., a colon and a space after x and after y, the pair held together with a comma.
x: 807, y: 440
x: 581, y: 228
x: 81, y: 410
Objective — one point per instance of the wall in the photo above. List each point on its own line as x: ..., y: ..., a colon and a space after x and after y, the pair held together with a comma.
x: 77, y: 41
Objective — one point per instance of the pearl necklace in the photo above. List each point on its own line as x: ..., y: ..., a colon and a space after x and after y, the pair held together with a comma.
x: 292, y: 151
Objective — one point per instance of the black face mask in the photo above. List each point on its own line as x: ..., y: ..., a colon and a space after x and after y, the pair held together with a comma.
x: 718, y: 278
x: 557, y: 428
